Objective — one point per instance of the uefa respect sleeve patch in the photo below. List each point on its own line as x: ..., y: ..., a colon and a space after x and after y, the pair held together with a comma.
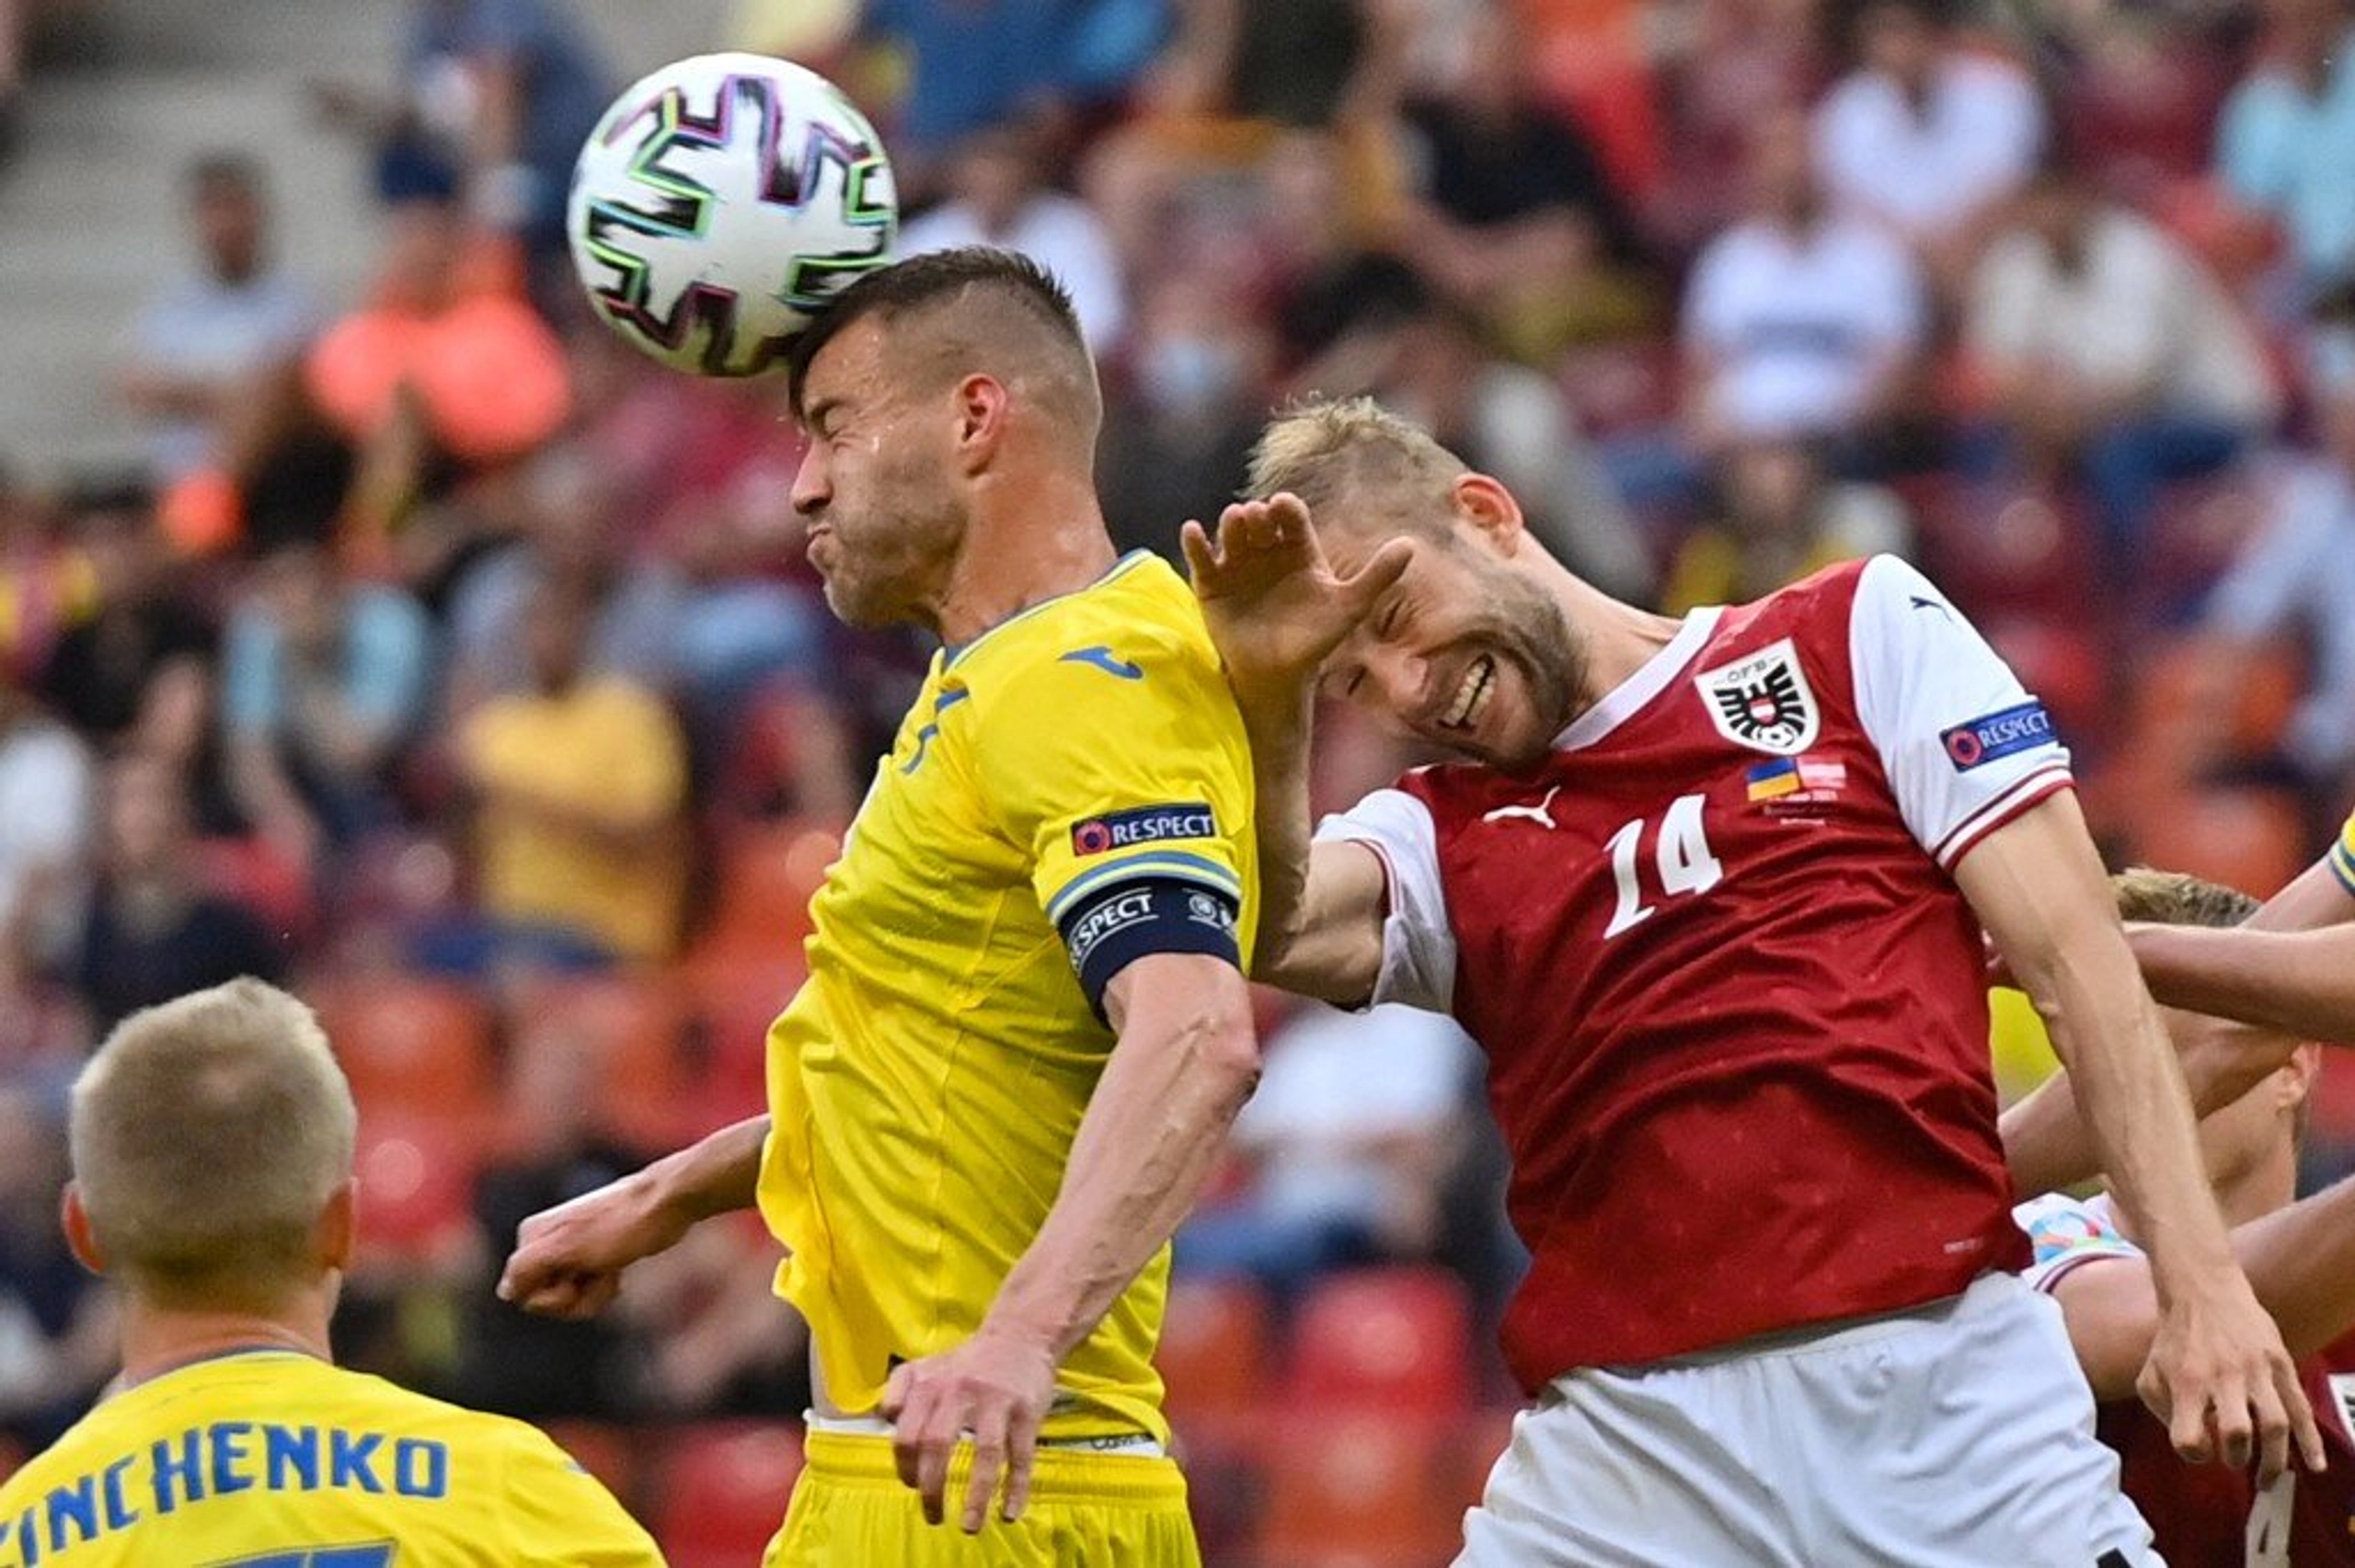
x: 1142, y: 825
x: 1999, y: 735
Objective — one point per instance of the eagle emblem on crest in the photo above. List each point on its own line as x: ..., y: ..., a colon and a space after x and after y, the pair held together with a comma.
x: 1763, y: 701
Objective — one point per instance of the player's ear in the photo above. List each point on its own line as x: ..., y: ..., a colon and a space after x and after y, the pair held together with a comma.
x: 337, y: 1235
x: 80, y: 1236
x: 1491, y: 511
x: 2296, y: 1079
x: 982, y: 406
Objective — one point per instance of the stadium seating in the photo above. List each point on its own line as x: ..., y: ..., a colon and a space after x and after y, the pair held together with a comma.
x: 635, y: 1026
x: 725, y: 1487
x: 1214, y: 1344
x: 412, y: 1044
x: 416, y: 1175
x: 1391, y: 1340
x: 1361, y: 1490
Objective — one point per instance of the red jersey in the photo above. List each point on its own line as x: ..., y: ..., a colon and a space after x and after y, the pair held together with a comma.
x: 1732, y: 1002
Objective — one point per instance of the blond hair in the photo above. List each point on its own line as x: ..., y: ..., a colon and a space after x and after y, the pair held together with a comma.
x: 2171, y: 897
x: 1353, y: 458
x: 208, y: 1135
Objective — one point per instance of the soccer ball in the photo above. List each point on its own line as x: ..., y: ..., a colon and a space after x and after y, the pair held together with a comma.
x: 720, y: 202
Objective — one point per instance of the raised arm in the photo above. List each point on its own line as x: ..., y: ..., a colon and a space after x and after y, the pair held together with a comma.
x: 2217, y: 1372
x: 2044, y: 1136
x: 1276, y: 608
x: 1185, y: 1062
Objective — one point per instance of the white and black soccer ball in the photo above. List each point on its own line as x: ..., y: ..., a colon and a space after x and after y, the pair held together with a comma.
x: 720, y: 202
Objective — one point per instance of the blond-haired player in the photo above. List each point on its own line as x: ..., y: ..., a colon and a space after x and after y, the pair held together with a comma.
x: 1025, y: 1028
x: 212, y: 1153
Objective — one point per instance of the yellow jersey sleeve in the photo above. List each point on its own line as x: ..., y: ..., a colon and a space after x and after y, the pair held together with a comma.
x: 1121, y: 763
x: 2342, y: 856
x: 553, y: 1512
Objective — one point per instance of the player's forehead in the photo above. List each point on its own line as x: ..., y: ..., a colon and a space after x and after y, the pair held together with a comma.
x: 847, y: 374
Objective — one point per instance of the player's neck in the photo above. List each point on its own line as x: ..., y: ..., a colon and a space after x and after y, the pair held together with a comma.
x: 159, y: 1339
x: 1048, y: 540
x: 1620, y: 638
x: 2266, y: 1187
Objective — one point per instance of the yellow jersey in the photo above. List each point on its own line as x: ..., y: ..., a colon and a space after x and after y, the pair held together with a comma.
x: 2342, y: 856
x: 926, y: 1083
x: 269, y: 1459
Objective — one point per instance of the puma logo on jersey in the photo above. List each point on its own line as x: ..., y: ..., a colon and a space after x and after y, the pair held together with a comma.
x: 1105, y: 660
x: 1542, y: 813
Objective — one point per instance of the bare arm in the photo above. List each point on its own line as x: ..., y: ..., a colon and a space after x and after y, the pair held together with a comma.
x: 2300, y: 1262
x: 2044, y: 1136
x: 2303, y: 982
x: 1276, y: 611
x: 1186, y: 1061
x: 2217, y: 1369
x: 568, y: 1260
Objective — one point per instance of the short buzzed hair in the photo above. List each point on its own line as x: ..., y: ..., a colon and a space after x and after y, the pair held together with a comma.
x: 991, y: 304
x: 2174, y: 898
x: 1347, y: 456
x: 208, y: 1135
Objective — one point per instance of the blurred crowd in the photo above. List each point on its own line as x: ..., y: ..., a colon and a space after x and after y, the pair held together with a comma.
x: 451, y: 659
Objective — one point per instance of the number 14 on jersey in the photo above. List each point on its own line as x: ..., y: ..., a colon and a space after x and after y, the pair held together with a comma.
x: 1680, y: 855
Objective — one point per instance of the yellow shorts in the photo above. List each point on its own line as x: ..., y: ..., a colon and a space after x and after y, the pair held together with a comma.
x: 849, y: 1510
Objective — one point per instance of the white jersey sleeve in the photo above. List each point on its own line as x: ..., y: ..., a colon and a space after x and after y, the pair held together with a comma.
x: 1417, y: 944
x: 1965, y: 747
x: 2066, y: 1232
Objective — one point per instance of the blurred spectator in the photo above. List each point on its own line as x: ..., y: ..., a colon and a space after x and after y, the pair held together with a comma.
x: 2286, y: 137
x: 721, y: 1343
x: 1517, y: 216
x: 200, y: 341
x: 1799, y: 322
x: 2295, y: 574
x: 1926, y: 134
x: 978, y: 63
x: 322, y: 682
x: 511, y: 1361
x: 581, y: 792
x: 497, y: 95
x: 1177, y: 432
x: 2109, y: 346
x: 1334, y: 296
x: 153, y: 933
x: 998, y: 196
x: 139, y: 671
x: 45, y: 808
x: 1780, y: 520
x: 574, y: 542
x: 446, y: 367
x: 57, y: 1325
x: 1513, y: 422
x: 1285, y: 62
x: 1348, y: 1138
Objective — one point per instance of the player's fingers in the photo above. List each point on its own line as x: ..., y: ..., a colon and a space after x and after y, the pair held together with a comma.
x: 598, y: 1293
x: 989, y: 1460
x: 2273, y: 1422
x: 1380, y: 573
x: 1289, y: 511
x: 1201, y: 560
x: 2235, y: 1431
x: 895, y: 1394
x: 2190, y: 1426
x: 1022, y: 1453
x: 935, y: 1446
x: 2301, y: 1413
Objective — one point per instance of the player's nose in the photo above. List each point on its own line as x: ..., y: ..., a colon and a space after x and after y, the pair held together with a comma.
x: 1401, y: 679
x: 812, y: 485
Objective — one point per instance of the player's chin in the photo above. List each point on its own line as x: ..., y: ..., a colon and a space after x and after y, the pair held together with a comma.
x: 853, y: 607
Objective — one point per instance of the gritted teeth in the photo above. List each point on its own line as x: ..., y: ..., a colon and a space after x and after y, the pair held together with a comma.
x: 1471, y: 693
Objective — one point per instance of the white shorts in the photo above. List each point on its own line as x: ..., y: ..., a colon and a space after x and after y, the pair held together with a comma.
x: 1960, y: 1436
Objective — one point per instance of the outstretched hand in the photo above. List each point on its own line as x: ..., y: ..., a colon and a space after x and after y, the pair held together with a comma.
x: 1275, y: 606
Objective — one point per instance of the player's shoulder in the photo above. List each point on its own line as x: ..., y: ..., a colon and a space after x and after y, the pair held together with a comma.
x: 1133, y: 632
x: 347, y: 1395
